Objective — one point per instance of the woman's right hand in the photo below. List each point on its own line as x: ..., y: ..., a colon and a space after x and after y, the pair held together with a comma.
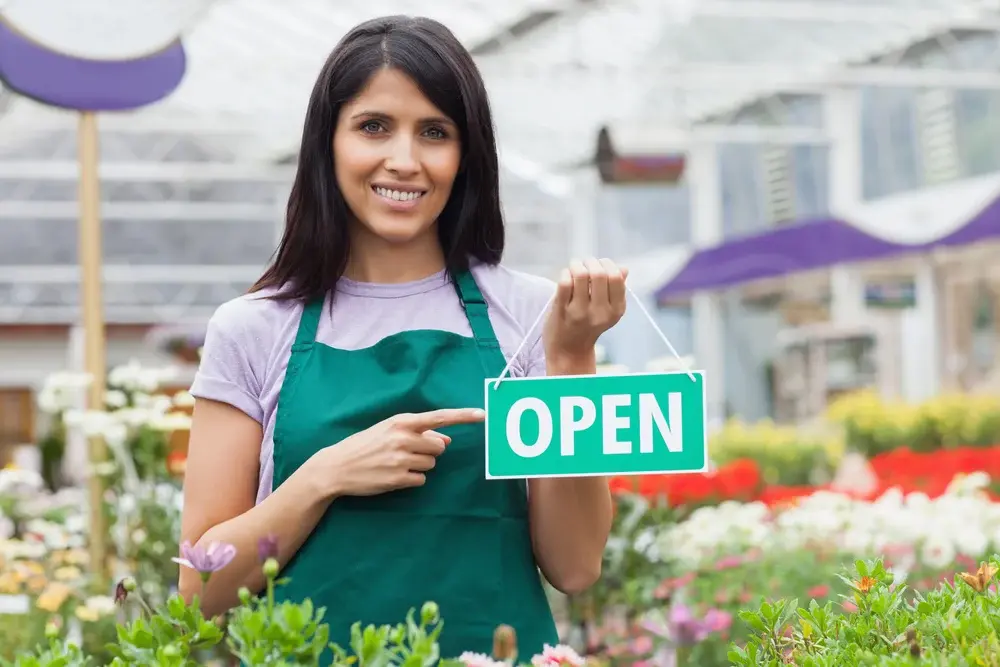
x: 393, y: 454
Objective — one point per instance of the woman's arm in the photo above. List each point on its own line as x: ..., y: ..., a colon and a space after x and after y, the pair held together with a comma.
x: 220, y: 489
x: 571, y: 516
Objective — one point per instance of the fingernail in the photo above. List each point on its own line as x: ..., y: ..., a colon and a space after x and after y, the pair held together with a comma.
x: 479, y: 414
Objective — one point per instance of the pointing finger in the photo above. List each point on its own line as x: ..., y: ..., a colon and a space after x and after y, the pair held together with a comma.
x: 427, y: 421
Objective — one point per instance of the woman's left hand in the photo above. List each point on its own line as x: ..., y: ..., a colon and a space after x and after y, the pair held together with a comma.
x: 590, y: 299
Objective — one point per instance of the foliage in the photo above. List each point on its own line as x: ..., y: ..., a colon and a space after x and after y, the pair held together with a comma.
x: 873, y: 425
x: 264, y: 633
x: 887, y: 625
x: 784, y: 454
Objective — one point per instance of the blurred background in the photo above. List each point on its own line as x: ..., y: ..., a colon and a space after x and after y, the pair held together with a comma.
x: 807, y: 193
x: 804, y: 190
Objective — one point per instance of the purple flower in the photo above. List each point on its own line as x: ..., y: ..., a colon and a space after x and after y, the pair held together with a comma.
x: 684, y: 629
x: 267, y: 547
x: 206, y: 560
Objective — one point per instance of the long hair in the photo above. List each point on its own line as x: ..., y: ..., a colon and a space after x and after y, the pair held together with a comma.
x: 315, y: 246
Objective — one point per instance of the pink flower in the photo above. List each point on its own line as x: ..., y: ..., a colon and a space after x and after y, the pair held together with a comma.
x: 470, y: 659
x: 206, y: 560
x: 557, y: 656
x: 728, y: 562
x: 717, y: 620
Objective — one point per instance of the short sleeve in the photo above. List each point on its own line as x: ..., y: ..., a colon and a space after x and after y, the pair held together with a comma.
x: 226, y: 372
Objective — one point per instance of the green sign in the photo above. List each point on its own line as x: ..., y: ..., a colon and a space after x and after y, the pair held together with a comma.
x: 567, y: 426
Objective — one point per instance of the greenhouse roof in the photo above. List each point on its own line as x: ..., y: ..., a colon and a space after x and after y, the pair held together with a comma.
x: 557, y: 70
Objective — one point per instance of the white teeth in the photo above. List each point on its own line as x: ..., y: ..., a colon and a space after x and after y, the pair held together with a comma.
x: 398, y: 195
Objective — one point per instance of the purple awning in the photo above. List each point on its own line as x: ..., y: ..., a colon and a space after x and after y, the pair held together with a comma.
x: 806, y: 246
x: 87, y: 85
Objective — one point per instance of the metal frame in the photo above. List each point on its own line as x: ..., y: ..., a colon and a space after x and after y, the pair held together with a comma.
x: 961, y: 16
x: 147, y: 172
x: 174, y: 274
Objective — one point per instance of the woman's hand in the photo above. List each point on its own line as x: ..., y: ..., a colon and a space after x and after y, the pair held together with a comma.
x: 393, y: 454
x: 590, y: 299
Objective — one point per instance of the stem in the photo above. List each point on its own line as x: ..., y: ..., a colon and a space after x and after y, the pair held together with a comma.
x: 682, y: 655
x: 270, y: 596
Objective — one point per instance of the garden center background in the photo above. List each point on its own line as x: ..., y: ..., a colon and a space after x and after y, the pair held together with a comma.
x: 806, y: 192
x: 804, y: 188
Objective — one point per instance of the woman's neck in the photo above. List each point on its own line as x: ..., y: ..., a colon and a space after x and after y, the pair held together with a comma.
x: 375, y: 261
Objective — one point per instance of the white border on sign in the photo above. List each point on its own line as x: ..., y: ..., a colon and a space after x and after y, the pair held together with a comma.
x: 489, y: 382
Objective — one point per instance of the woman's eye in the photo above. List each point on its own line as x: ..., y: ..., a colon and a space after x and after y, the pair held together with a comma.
x: 372, y: 127
x: 436, y: 133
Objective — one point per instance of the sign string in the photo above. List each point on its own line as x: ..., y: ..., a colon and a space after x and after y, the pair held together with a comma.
x: 642, y: 308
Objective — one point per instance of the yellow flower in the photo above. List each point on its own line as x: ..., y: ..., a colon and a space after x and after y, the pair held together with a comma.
x: 68, y: 573
x: 76, y: 557
x: 10, y: 583
x: 37, y: 583
x: 87, y: 614
x: 53, y: 597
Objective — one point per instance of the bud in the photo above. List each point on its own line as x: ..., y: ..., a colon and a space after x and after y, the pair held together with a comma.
x: 52, y: 630
x: 171, y: 651
x: 271, y: 568
x: 244, y: 595
x: 429, y: 613
x: 398, y: 634
x: 505, y: 643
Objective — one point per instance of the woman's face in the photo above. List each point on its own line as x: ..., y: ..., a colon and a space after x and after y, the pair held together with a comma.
x: 396, y: 156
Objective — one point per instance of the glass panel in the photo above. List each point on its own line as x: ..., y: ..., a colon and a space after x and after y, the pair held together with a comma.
x: 53, y: 242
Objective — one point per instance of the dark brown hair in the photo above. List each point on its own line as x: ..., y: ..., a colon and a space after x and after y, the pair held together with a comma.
x: 315, y: 246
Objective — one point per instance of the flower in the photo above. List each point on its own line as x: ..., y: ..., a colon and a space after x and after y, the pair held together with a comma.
x: 267, y: 547
x: 53, y: 597
x: 504, y: 643
x: 557, y: 656
x: 471, y: 659
x: 206, y: 560
x: 981, y: 579
x: 124, y: 587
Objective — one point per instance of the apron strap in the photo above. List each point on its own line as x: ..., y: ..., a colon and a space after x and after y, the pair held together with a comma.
x: 476, y: 309
x: 309, y: 323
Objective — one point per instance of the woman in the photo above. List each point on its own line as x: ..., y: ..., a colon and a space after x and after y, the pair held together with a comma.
x: 339, y: 403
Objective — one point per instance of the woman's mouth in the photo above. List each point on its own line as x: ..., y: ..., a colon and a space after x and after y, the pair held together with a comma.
x: 398, y: 196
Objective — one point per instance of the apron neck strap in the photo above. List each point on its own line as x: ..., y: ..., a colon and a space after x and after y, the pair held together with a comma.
x: 476, y: 309
x: 469, y: 294
x: 309, y: 323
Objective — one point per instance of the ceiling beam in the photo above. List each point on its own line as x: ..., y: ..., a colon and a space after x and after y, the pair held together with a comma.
x: 149, y: 172
x: 174, y: 274
x: 959, y: 16
x: 152, y: 211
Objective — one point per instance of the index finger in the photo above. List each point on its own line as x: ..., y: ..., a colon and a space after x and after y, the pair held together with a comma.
x: 425, y: 421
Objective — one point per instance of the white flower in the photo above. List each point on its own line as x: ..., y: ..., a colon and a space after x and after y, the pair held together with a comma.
x: 183, y: 399
x: 174, y: 421
x: 471, y: 659
x: 115, y: 399
x: 102, y: 604
x: 937, y: 553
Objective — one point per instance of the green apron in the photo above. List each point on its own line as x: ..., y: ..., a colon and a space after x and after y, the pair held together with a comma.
x: 460, y: 540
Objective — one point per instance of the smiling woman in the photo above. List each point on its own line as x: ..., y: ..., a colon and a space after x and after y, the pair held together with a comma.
x: 343, y: 396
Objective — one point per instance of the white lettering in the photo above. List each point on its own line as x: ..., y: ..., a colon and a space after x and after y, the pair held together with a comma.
x: 613, y: 423
x: 569, y: 425
x: 649, y: 412
x: 514, y: 439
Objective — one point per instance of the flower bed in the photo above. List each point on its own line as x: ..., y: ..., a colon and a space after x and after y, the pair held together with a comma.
x: 692, y: 577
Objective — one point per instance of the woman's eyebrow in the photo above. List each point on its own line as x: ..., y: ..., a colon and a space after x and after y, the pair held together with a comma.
x: 381, y: 114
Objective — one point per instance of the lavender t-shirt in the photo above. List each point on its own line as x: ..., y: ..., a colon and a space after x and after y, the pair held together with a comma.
x: 249, y: 338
